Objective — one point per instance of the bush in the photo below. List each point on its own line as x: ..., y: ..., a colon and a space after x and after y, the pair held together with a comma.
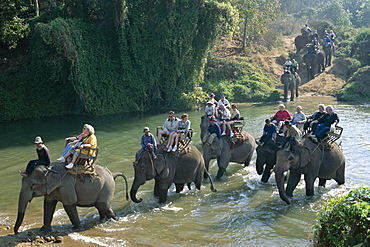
x: 358, y: 87
x: 345, y: 220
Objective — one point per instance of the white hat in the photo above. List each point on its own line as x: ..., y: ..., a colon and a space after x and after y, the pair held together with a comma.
x: 146, y: 129
x: 38, y: 139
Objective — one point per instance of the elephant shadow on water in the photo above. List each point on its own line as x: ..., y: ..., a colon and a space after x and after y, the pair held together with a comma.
x: 57, y: 184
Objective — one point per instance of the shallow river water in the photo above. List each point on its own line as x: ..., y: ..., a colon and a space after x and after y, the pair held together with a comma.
x: 243, y: 212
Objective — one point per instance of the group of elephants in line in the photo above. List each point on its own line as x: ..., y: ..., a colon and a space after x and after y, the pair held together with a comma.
x: 56, y: 184
x: 313, y: 62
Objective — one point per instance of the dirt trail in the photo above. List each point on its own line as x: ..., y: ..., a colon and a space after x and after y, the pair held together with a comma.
x: 327, y: 83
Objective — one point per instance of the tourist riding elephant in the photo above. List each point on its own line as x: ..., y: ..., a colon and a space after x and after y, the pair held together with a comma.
x: 310, y: 159
x: 266, y: 157
x: 291, y: 84
x: 55, y: 183
x: 221, y: 150
x: 328, y: 49
x: 167, y: 168
x: 312, y: 60
x: 301, y: 40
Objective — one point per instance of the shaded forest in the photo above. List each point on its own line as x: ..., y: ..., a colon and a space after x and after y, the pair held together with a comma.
x: 83, y: 57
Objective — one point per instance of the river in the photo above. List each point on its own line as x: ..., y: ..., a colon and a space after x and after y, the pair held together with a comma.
x: 243, y: 212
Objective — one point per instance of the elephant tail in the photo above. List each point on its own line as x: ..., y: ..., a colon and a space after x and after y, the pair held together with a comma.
x: 211, y: 181
x: 119, y: 174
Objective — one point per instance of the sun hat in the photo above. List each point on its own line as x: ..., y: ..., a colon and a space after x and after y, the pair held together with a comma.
x: 212, y: 95
x: 38, y: 139
x: 213, y: 120
x: 210, y: 102
x: 146, y: 129
x: 89, y: 128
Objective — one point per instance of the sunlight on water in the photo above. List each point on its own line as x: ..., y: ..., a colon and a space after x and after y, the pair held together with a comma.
x: 244, y: 211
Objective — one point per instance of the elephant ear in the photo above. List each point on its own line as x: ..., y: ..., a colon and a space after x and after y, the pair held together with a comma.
x: 305, y: 155
x: 53, y: 181
x: 160, y: 166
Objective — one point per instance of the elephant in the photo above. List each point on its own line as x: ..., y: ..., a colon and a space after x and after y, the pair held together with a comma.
x: 56, y: 184
x: 310, y: 159
x: 301, y: 40
x: 312, y: 60
x: 291, y: 82
x: 167, y: 168
x: 221, y: 150
x: 266, y: 158
x: 329, y: 50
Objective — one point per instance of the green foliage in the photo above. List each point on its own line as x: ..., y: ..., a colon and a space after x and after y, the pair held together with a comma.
x: 361, y: 46
x: 13, y: 30
x: 345, y: 220
x: 358, y: 87
x: 106, y: 57
x: 240, y: 79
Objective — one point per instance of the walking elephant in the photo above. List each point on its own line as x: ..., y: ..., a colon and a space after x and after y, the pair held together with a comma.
x: 301, y: 40
x: 266, y: 157
x: 310, y: 159
x: 328, y: 49
x: 56, y: 184
x: 312, y: 60
x: 221, y: 150
x: 291, y: 83
x: 167, y: 168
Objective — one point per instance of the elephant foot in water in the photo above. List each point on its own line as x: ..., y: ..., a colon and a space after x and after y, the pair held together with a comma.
x: 45, y: 229
x: 220, y: 173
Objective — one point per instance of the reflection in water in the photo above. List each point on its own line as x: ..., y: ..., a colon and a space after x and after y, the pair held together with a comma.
x: 243, y: 211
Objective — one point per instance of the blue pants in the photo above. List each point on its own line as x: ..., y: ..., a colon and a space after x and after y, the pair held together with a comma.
x: 67, y: 149
x: 321, y: 129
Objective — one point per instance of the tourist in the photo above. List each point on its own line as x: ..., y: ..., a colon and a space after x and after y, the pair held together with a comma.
x: 213, y: 131
x: 315, y: 116
x: 299, y: 118
x: 72, y: 141
x: 147, y: 144
x: 325, y: 122
x: 280, y: 116
x: 169, y: 127
x: 269, y: 132
x: 183, y: 125
x: 210, y: 110
x: 223, y: 101
x: 224, y: 117
x: 235, y: 115
x: 43, y: 155
x: 88, y: 141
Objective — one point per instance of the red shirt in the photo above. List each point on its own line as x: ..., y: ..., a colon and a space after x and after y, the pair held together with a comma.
x: 280, y: 115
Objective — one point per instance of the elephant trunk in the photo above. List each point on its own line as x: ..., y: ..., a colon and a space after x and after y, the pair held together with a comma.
x: 279, y: 177
x: 259, y: 165
x: 23, y: 200
x: 133, y: 191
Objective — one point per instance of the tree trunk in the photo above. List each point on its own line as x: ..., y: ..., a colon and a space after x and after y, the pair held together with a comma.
x: 245, y: 33
x: 37, y: 9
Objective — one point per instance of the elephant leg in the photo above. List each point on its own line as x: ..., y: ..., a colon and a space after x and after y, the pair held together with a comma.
x: 339, y: 175
x: 49, y: 209
x: 179, y: 187
x: 162, y: 193
x: 248, y: 160
x: 267, y: 173
x: 105, y: 210
x: 156, y: 189
x: 189, y: 186
x: 71, y: 211
x: 309, y: 184
x: 221, y: 172
x: 322, y: 182
x: 293, y: 181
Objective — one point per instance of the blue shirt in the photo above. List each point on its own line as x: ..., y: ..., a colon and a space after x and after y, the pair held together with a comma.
x: 215, y: 129
x: 269, y: 130
x: 145, y: 140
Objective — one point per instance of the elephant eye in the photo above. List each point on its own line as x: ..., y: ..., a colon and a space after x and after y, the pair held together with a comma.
x: 291, y: 158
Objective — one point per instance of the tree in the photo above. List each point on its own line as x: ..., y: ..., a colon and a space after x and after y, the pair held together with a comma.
x: 255, y: 14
